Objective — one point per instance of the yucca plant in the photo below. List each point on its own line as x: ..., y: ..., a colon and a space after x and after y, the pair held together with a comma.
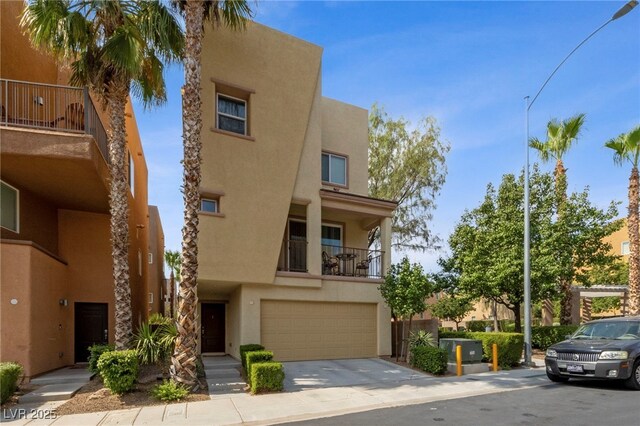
x: 421, y: 338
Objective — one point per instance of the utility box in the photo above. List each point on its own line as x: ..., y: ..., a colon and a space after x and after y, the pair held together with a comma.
x: 471, y: 349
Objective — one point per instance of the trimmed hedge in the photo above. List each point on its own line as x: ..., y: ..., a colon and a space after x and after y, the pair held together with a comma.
x: 510, y: 345
x: 94, y: 354
x: 119, y: 370
x: 251, y: 347
x: 545, y: 336
x: 481, y: 325
x: 266, y: 376
x: 430, y: 359
x: 10, y: 372
x: 254, y: 358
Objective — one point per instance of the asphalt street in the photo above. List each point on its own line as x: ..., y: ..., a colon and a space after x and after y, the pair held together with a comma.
x: 575, y: 403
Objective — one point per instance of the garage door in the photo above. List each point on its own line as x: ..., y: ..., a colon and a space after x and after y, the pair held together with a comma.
x: 297, y: 331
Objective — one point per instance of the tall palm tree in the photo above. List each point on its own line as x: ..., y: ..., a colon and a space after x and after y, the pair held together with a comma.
x: 560, y: 137
x: 115, y: 48
x: 234, y: 14
x: 626, y: 147
x: 172, y: 259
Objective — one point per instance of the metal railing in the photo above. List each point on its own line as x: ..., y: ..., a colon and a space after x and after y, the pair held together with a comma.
x: 293, y: 256
x: 51, y: 107
x: 351, y: 262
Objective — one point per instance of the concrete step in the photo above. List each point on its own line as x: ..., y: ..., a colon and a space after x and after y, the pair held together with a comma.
x: 217, y: 386
x: 222, y: 373
x: 64, y: 375
x: 57, y: 392
x: 223, y: 366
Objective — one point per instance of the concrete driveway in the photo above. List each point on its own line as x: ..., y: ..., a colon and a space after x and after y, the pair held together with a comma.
x: 302, y: 375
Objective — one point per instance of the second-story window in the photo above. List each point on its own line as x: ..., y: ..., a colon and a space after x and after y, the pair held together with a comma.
x: 625, y: 248
x: 132, y: 175
x: 10, y: 207
x: 209, y: 206
x: 334, y: 169
x: 232, y: 114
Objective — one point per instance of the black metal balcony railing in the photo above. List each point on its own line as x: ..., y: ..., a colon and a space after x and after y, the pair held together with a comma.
x: 351, y: 262
x: 293, y: 256
x: 51, y: 107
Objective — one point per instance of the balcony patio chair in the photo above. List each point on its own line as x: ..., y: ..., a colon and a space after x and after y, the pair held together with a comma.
x: 362, y: 267
x: 73, y: 117
x: 329, y: 264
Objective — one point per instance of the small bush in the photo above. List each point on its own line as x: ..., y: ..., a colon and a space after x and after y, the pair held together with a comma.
x: 255, y: 357
x: 430, y: 359
x: 119, y: 370
x: 266, y: 377
x: 252, y: 347
x: 510, y: 345
x: 545, y: 336
x: 154, y: 342
x: 10, y: 372
x: 169, y: 391
x: 94, y: 354
x: 421, y: 338
x: 481, y: 325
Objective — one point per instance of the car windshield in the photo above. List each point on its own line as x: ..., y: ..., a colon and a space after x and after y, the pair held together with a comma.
x: 622, y: 330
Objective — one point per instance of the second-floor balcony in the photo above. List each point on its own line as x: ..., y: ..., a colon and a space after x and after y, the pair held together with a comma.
x: 335, y: 260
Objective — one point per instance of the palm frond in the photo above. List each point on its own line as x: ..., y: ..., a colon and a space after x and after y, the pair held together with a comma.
x: 541, y: 147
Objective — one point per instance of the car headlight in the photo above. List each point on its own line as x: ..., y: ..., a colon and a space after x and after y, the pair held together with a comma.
x: 614, y: 355
x: 551, y: 353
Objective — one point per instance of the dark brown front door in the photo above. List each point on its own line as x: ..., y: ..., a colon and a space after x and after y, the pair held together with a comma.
x: 212, y: 328
x: 91, y: 327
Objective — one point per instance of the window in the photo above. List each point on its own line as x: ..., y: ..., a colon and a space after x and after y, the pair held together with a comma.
x: 232, y: 114
x: 150, y: 298
x: 331, y: 235
x: 150, y: 258
x: 625, y: 248
x: 209, y: 206
x: 334, y: 169
x: 139, y: 262
x: 10, y: 207
x: 131, y: 175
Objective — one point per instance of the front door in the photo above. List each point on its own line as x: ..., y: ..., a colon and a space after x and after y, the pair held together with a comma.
x: 212, y: 328
x: 91, y: 327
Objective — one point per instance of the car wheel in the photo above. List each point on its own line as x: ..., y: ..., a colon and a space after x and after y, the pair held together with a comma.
x: 556, y: 378
x: 633, y: 382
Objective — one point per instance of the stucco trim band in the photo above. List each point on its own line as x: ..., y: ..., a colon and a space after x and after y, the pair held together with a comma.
x: 35, y: 246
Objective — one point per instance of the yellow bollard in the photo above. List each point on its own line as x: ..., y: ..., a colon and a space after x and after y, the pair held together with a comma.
x: 459, y: 360
x: 495, y: 357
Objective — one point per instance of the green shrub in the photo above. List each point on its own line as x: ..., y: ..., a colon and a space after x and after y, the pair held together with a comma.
x: 10, y: 372
x: 119, y: 370
x: 510, y: 345
x: 169, y: 391
x: 430, y: 359
x: 421, y: 338
x: 255, y: 357
x: 545, y: 336
x: 94, y: 353
x: 159, y: 319
x: 481, y: 325
x: 266, y: 376
x: 251, y: 347
x: 154, y: 342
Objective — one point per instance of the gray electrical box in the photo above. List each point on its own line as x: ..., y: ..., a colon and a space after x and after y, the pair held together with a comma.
x: 471, y: 349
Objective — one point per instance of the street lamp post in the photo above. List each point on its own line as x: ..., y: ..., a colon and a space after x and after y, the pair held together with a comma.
x: 527, y: 266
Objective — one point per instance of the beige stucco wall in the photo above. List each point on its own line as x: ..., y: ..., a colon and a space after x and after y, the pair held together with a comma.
x: 616, y: 239
x: 156, y: 269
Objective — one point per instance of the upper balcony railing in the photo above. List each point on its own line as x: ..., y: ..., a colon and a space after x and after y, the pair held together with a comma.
x: 51, y: 107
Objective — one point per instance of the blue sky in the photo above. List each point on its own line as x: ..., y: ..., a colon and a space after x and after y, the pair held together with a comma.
x: 468, y: 64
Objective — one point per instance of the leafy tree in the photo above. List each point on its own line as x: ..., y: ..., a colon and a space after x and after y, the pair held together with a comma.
x: 454, y: 308
x: 405, y: 290
x: 407, y: 166
x: 115, y: 48
x: 616, y: 273
x: 560, y: 137
x: 234, y: 14
x: 626, y: 147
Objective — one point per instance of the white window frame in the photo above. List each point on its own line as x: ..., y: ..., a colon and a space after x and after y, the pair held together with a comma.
x: 624, y: 252
x: 235, y: 117
x: 151, y: 298
x: 346, y: 169
x: 211, y: 200
x: 17, y: 230
x: 150, y: 258
x: 132, y: 175
x: 139, y: 263
x: 333, y: 225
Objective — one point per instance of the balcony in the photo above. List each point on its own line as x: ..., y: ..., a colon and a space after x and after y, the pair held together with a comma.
x: 336, y: 260
x: 51, y: 107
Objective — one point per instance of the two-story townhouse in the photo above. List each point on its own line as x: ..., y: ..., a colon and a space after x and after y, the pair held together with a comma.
x: 56, y: 284
x: 283, y: 250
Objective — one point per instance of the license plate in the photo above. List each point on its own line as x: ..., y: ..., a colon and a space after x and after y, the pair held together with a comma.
x: 575, y: 369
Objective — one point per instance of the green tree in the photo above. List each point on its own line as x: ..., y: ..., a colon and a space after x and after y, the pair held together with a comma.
x: 405, y: 290
x: 234, y: 14
x: 626, y: 148
x: 172, y: 259
x: 407, y: 166
x: 454, y: 308
x: 115, y: 48
x: 560, y: 137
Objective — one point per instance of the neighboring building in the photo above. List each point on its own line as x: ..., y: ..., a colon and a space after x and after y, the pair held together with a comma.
x: 619, y: 241
x: 283, y: 258
x: 56, y: 273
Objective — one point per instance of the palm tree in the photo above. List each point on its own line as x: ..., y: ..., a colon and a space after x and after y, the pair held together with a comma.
x: 172, y: 259
x: 114, y: 48
x: 560, y: 136
x: 626, y: 147
x: 234, y: 14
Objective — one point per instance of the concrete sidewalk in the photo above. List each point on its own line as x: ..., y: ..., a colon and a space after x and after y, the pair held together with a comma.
x: 306, y: 404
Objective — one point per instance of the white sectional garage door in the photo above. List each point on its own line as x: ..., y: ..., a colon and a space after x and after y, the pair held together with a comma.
x: 297, y: 331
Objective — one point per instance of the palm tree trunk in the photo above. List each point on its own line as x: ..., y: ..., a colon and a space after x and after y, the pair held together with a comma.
x: 634, y: 244
x: 566, y: 276
x: 183, y: 367
x: 119, y: 216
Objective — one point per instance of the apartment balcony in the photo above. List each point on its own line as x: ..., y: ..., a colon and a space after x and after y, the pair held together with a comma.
x: 335, y: 260
x: 54, y: 144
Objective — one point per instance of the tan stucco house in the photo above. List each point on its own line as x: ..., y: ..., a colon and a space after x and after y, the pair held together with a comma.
x: 56, y: 285
x: 282, y: 251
